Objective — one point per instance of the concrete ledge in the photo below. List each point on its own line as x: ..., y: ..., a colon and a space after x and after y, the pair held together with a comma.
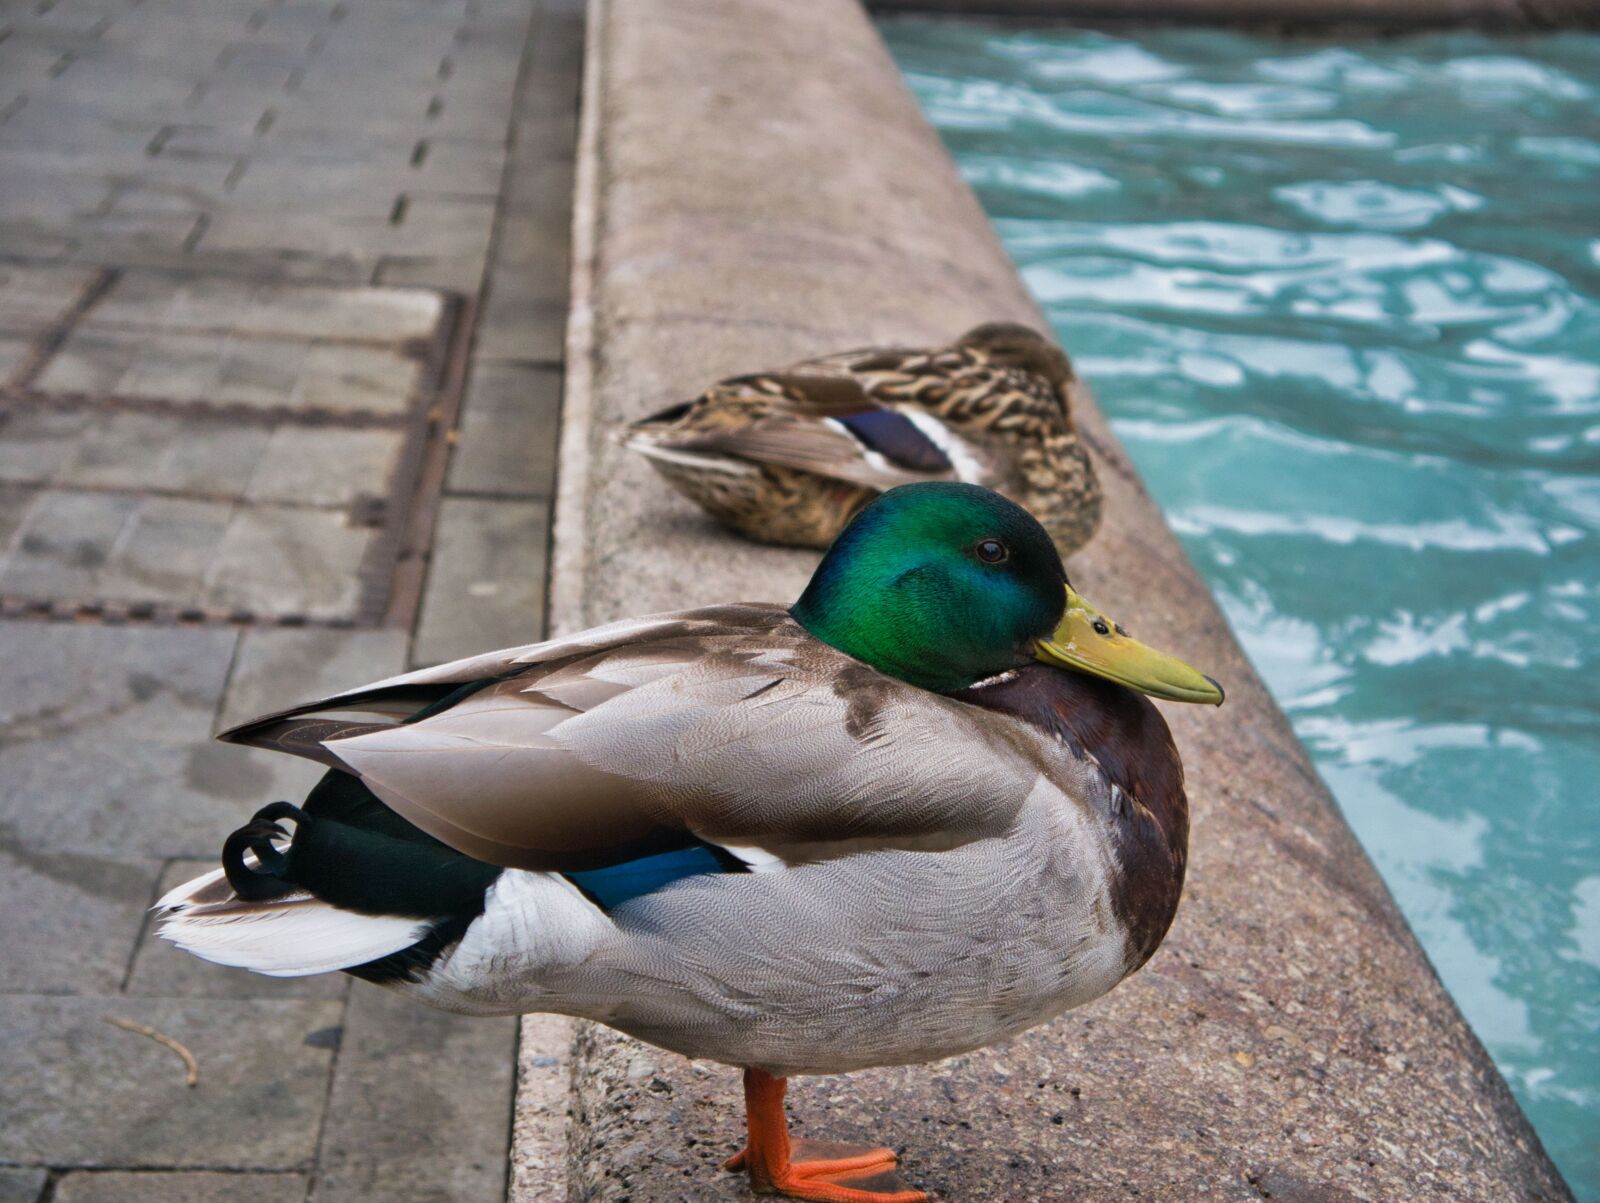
x: 756, y: 184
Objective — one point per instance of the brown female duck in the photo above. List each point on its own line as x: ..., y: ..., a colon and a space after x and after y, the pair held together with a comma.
x: 790, y: 456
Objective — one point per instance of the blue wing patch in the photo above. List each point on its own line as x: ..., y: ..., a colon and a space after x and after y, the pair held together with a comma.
x: 897, y: 438
x: 613, y: 885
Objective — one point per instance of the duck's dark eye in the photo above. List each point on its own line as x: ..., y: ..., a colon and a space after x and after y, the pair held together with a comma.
x: 1100, y: 627
x: 992, y: 551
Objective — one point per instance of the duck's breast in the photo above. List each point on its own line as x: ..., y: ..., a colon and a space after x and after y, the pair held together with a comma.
x: 1114, y: 757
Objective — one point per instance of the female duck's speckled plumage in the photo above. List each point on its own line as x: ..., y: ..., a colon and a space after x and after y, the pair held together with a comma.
x: 726, y: 832
x: 790, y: 456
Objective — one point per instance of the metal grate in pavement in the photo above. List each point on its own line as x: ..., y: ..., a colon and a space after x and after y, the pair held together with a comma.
x: 210, y: 449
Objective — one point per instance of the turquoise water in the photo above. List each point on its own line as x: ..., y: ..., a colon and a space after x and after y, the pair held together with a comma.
x: 1342, y: 303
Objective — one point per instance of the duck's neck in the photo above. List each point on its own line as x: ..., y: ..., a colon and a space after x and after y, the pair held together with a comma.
x: 1130, y: 742
x: 928, y: 648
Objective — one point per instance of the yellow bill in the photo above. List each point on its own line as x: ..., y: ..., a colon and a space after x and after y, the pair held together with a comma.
x: 1090, y: 642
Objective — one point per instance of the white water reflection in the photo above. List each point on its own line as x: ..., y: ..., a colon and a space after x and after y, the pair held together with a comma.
x: 1373, y: 203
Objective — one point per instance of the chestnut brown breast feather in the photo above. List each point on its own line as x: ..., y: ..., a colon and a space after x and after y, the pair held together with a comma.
x: 1124, y: 734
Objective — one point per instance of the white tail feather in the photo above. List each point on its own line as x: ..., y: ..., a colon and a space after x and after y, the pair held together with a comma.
x: 703, y: 461
x: 293, y: 936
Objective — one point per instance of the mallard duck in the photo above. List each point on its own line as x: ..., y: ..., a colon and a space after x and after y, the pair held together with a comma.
x: 920, y: 810
x: 790, y: 456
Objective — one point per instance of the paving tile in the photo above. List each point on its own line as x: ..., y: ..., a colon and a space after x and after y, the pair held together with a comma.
x: 158, y: 300
x: 539, y: 191
x: 85, y: 1093
x: 486, y: 583
x: 356, y: 378
x: 459, y: 165
x: 82, y: 917
x: 421, y: 1104
x: 308, y: 118
x: 290, y: 232
x: 163, y: 970
x: 14, y: 352
x: 80, y: 131
x: 534, y: 255
x: 126, y: 87
x: 558, y: 61
x: 444, y: 226
x: 165, y: 552
x: 460, y: 273
x: 22, y: 1185
x: 132, y: 364
x: 64, y: 541
x: 468, y: 97
x: 126, y: 450
x: 199, y: 180
x: 277, y: 561
x: 170, y: 231
x: 279, y: 157
x: 521, y: 297
x: 234, y: 104
x: 28, y: 173
x: 45, y: 238
x: 271, y: 560
x: 25, y: 65
x: 36, y: 442
x: 285, y: 265
x: 296, y: 18
x: 363, y: 186
x: 101, y: 546
x: 31, y: 297
x: 324, y: 466
x: 279, y: 667
x: 135, y: 200
x: 194, y: 1186
x: 207, y: 144
x: 241, y: 781
x: 546, y: 137
x: 104, y: 741
x: 513, y: 328
x: 510, y: 425
x: 277, y: 73
x: 340, y: 213
x: 258, y: 372
x: 13, y: 509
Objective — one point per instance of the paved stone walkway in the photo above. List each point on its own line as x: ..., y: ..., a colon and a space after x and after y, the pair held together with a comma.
x: 282, y: 289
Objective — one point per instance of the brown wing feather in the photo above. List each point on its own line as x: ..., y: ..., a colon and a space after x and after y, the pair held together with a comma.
x: 410, y: 691
x: 810, y: 446
x: 813, y: 393
x: 781, y: 419
x: 749, y: 734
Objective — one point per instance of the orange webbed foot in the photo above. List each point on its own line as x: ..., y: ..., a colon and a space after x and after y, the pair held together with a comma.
x: 819, y: 1170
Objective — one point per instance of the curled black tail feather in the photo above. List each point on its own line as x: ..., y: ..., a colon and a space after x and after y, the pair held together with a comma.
x: 353, y: 853
x: 267, y: 879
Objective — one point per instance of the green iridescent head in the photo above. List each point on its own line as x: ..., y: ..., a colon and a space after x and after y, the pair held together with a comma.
x: 943, y: 585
